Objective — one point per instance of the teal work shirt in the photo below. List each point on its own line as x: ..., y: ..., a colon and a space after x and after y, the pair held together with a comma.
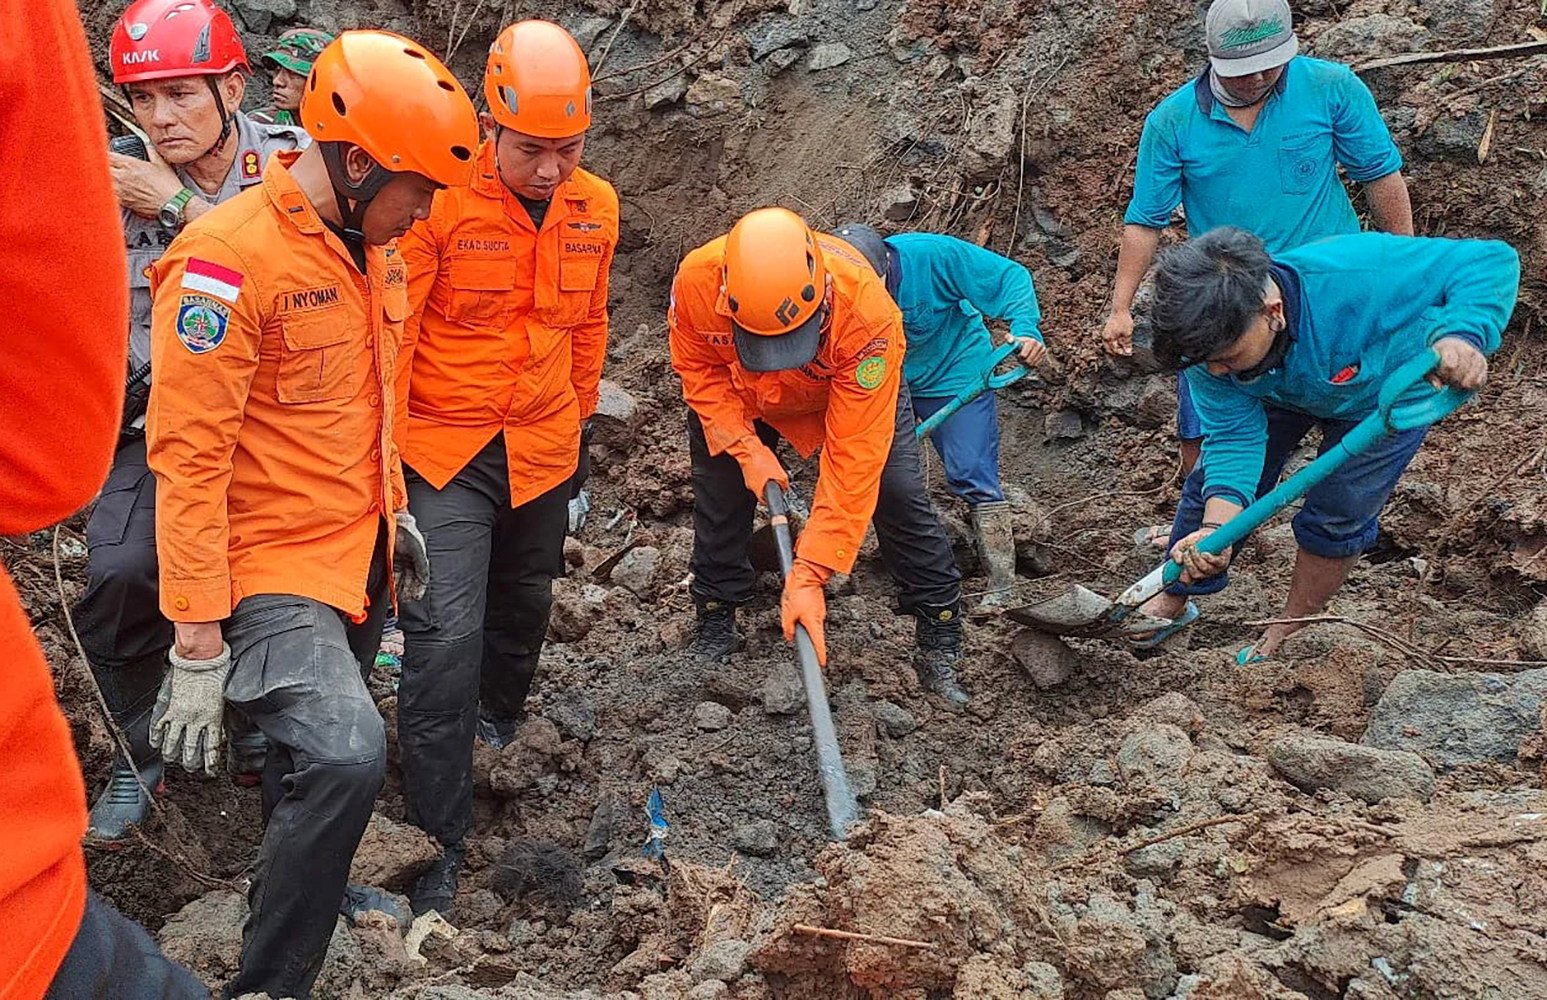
x: 946, y: 287
x: 1279, y: 180
x: 1367, y: 304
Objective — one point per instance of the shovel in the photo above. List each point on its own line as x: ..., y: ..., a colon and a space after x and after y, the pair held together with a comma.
x: 842, y: 807
x: 988, y: 382
x: 1406, y: 402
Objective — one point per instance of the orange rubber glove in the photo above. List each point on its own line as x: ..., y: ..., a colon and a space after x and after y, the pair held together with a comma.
x: 759, y: 465
x: 804, y: 602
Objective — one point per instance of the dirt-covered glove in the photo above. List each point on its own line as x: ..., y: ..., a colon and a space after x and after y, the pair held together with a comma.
x: 804, y: 602
x: 187, y: 725
x: 410, y: 560
x: 759, y: 465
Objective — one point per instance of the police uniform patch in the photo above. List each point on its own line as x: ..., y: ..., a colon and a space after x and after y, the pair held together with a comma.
x: 871, y: 372
x: 201, y: 323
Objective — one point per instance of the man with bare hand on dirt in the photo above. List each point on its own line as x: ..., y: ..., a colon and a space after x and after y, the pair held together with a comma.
x: 281, y: 511
x: 1272, y: 346
x: 777, y: 331
x: 498, y: 374
x: 1254, y: 141
x: 181, y: 65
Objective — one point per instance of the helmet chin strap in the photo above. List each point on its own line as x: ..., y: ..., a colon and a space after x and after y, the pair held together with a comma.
x: 227, y: 119
x: 353, y: 198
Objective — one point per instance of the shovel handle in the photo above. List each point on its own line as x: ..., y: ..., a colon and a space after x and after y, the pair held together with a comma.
x: 1406, y: 402
x: 989, y: 382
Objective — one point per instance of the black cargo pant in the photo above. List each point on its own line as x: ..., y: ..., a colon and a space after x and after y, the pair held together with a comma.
x: 477, y: 634
x: 298, y: 671
x: 913, y: 545
x: 112, y: 958
x: 119, y: 615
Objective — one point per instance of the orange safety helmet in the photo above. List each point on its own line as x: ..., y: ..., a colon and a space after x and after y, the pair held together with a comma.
x: 775, y: 288
x: 392, y: 98
x: 537, y: 81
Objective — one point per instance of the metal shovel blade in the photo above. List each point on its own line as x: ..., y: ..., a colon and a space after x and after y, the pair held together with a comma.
x: 1083, y: 614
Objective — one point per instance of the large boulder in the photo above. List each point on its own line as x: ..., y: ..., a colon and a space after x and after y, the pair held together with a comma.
x: 1456, y: 719
x: 1314, y: 762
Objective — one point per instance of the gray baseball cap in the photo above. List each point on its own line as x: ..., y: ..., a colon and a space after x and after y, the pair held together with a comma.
x: 1250, y: 36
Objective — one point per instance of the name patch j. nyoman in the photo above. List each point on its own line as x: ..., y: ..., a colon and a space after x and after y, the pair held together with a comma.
x: 310, y: 299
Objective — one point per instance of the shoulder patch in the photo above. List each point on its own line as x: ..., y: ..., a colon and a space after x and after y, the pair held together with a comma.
x: 201, y: 323
x: 871, y: 372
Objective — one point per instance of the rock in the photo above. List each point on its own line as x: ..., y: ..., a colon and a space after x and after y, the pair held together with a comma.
x: 1533, y: 634
x: 205, y: 936
x: 783, y: 691
x: 1107, y: 935
x: 1356, y: 39
x: 666, y: 92
x: 782, y: 60
x: 1155, y: 754
x: 589, y: 30
x: 992, y: 137
x: 898, y: 204
x: 829, y: 55
x: 711, y: 990
x: 577, y: 607
x: 573, y: 713
x: 711, y: 716
x: 391, y: 855
x: 863, y: 779
x: 759, y: 838
x: 574, y: 552
x: 1045, y: 658
x: 609, y: 816
x: 1156, y: 403
x: 777, y: 33
x: 1158, y: 861
x: 636, y: 571
x: 1454, y: 139
x: 1313, y: 762
x: 1044, y: 981
x: 1456, y: 719
x: 724, y: 960
x: 617, y: 414
x: 1063, y: 425
x: 893, y: 720
x: 1461, y: 20
x: 1176, y: 709
x: 713, y: 94
x: 260, y: 15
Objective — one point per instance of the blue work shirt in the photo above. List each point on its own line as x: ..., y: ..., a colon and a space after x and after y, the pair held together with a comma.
x: 1279, y: 180
x: 1366, y: 304
x: 946, y: 287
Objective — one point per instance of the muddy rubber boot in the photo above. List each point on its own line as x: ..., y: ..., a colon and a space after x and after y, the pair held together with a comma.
x: 717, y: 637
x: 996, y: 546
x: 937, y: 636
x: 436, y: 889
x: 123, y: 804
x: 497, y: 731
x: 246, y: 753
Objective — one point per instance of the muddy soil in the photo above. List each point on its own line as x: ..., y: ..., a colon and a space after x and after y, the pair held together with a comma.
x: 1096, y: 824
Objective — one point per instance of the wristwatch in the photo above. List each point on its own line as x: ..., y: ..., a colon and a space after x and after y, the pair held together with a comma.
x: 171, y: 215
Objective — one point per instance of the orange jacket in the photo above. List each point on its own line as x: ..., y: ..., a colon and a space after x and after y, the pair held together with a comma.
x: 844, y: 400
x: 507, y: 328
x: 270, y: 419
x: 61, y: 397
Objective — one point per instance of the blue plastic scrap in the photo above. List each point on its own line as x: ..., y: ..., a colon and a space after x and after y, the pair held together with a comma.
x: 655, y: 812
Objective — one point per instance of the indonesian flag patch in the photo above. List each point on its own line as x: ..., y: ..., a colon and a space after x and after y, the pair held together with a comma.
x: 212, y: 279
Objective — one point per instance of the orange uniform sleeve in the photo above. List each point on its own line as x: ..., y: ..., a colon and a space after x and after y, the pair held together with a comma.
x: 588, y: 342
x: 706, y: 379
x: 861, y: 416
x: 65, y: 287
x: 206, y: 327
x: 420, y: 249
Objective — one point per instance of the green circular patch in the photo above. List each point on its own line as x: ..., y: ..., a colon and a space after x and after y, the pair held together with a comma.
x: 871, y: 372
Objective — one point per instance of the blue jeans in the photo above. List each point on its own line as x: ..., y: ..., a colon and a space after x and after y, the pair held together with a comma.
x: 968, y: 444
x: 1188, y: 426
x: 1340, y: 515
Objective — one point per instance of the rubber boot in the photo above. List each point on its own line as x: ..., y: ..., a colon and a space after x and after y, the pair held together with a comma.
x: 502, y: 707
x: 123, y: 803
x: 996, y: 546
x: 436, y: 889
x: 497, y: 731
x: 937, y: 637
x: 717, y: 637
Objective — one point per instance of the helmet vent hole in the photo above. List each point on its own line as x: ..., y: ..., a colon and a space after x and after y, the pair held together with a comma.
x: 415, y: 53
x: 462, y: 153
x: 808, y: 293
x: 338, y: 105
x: 731, y: 301
x: 443, y: 85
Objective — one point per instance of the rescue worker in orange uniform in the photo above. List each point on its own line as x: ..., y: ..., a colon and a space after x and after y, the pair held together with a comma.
x: 502, y: 355
x: 183, y: 70
x: 777, y: 331
x: 280, y: 503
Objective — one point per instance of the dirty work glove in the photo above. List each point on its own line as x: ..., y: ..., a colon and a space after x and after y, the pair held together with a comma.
x: 410, y: 561
x: 759, y: 465
x: 804, y: 602
x: 189, y: 711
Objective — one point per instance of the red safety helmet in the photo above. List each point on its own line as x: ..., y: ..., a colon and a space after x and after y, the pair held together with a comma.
x: 161, y: 39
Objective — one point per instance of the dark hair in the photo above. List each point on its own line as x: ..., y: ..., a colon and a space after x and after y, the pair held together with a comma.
x: 1206, y: 292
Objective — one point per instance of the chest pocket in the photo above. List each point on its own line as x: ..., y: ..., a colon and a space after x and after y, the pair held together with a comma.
x: 1302, y: 157
x: 319, y: 360
x: 578, y: 275
x: 481, y: 291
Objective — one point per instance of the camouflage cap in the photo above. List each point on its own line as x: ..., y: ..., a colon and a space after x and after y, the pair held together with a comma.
x: 297, y: 49
x: 1250, y: 36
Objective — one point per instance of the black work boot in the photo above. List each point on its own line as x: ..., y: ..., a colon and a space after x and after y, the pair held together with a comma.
x: 436, y: 889
x: 718, y: 637
x: 497, y: 731
x: 246, y: 752
x: 123, y: 803
x: 937, y: 637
